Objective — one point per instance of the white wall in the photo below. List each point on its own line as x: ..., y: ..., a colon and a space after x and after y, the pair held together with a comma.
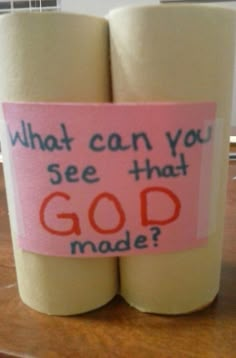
x: 99, y: 7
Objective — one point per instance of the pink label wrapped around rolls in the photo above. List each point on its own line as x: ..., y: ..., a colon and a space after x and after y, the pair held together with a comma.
x: 96, y: 180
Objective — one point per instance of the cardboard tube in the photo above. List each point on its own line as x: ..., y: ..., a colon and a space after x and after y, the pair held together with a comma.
x: 176, y: 53
x: 61, y: 58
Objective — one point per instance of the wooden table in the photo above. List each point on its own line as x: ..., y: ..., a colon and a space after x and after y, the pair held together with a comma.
x: 118, y: 330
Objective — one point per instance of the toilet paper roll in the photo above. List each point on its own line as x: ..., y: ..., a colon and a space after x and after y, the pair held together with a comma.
x: 176, y: 53
x: 56, y: 57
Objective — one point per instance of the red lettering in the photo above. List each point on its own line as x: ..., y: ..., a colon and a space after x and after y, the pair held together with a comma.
x: 75, y: 228
x: 144, y: 206
x: 117, y: 206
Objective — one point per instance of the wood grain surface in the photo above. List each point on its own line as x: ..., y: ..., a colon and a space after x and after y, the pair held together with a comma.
x: 117, y: 330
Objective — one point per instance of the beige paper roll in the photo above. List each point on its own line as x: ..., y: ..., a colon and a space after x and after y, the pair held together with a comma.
x: 179, y: 53
x: 56, y: 57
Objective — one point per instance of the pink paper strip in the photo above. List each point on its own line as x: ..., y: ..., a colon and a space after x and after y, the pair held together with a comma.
x: 111, y: 180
